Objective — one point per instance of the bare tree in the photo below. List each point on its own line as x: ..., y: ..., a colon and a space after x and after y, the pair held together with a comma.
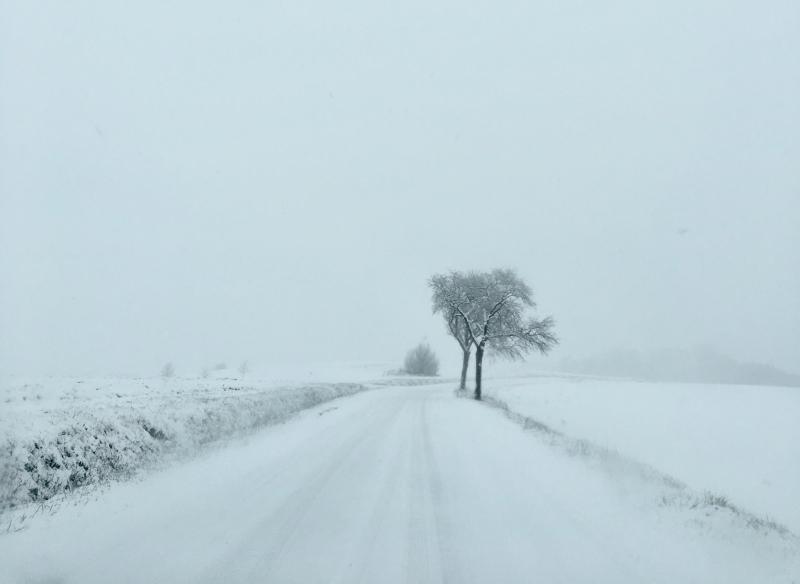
x: 168, y: 370
x: 492, y: 309
x: 445, y: 287
x: 244, y: 368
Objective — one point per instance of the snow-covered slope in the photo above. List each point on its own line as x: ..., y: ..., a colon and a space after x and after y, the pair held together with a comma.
x: 738, y: 442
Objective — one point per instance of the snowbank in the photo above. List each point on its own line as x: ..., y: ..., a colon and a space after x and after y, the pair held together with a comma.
x: 741, y: 443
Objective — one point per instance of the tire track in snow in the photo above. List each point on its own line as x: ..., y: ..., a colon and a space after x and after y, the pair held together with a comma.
x: 278, y: 532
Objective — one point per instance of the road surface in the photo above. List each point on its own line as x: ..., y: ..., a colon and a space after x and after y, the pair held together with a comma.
x: 393, y: 485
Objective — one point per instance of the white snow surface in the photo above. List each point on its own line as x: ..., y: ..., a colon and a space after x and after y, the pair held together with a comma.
x: 735, y: 441
x: 399, y: 484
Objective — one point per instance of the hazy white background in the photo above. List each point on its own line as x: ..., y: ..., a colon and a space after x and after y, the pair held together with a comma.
x: 197, y: 181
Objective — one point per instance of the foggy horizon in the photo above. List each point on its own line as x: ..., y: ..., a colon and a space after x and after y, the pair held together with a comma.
x: 205, y: 187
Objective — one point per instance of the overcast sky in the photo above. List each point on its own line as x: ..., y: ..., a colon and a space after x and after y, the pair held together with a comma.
x: 198, y: 181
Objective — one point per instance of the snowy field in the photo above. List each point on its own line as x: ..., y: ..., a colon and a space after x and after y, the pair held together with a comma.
x: 60, y: 435
x: 741, y: 443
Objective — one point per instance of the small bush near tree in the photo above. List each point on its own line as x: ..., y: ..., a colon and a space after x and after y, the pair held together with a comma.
x: 421, y: 360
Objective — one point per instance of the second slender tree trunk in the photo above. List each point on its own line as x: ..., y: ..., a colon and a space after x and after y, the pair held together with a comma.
x: 464, y: 368
x: 478, y: 370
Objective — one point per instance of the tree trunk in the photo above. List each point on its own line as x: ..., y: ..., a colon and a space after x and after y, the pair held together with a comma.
x: 464, y: 367
x: 478, y: 370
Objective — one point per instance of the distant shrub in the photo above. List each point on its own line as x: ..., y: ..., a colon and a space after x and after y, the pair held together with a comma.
x: 168, y: 370
x: 421, y: 360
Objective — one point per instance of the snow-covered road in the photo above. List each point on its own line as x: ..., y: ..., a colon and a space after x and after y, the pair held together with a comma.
x: 393, y: 485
